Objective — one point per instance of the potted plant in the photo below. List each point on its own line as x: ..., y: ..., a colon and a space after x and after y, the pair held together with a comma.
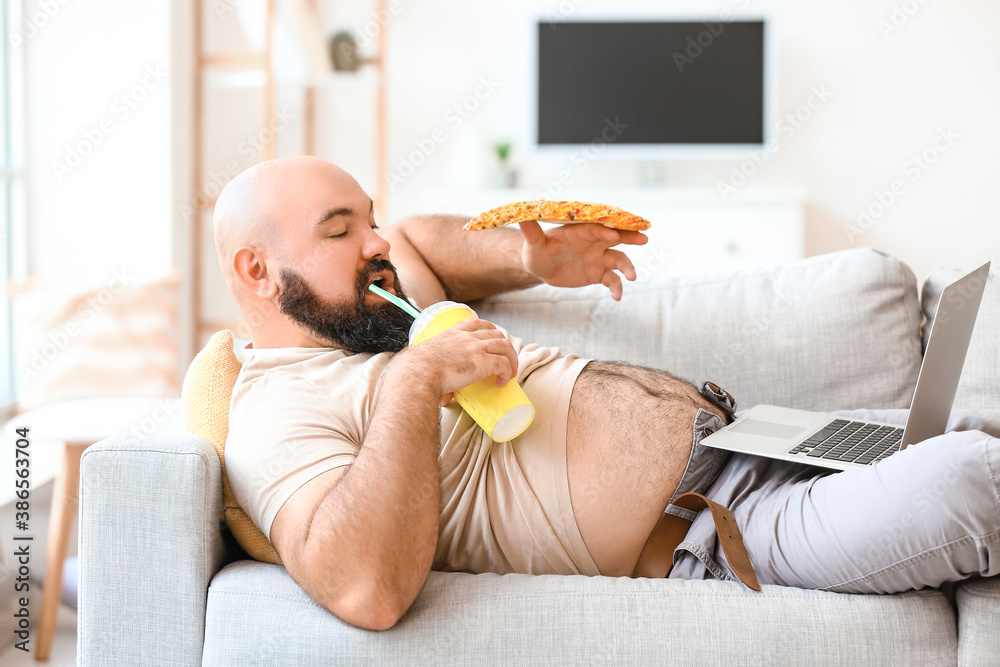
x: 344, y: 51
x: 502, y: 149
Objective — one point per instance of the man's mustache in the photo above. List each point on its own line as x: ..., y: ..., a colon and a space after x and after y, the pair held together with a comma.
x: 371, y: 268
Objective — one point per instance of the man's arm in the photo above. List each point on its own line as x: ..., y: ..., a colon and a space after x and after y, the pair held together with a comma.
x: 459, y: 265
x: 463, y: 266
x: 360, y: 539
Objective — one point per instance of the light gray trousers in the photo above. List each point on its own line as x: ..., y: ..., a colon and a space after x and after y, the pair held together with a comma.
x: 924, y: 516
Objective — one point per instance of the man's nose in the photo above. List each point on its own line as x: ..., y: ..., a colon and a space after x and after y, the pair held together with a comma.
x: 375, y: 245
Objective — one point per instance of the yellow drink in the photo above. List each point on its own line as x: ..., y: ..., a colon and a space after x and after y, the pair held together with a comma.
x: 503, y: 412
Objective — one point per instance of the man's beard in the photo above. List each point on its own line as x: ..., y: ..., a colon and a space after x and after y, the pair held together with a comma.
x: 384, y: 328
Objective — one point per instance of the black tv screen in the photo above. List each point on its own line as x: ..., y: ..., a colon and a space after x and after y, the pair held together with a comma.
x: 668, y: 82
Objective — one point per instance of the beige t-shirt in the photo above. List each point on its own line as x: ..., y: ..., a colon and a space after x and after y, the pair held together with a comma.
x: 505, y: 507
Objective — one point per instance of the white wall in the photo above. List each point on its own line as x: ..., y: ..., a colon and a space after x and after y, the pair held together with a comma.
x: 892, y: 92
x: 891, y: 95
x: 99, y: 140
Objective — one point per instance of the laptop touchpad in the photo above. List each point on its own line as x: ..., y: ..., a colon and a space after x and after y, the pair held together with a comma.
x: 769, y: 429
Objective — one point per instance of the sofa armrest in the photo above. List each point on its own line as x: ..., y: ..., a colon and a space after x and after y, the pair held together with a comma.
x: 150, y: 543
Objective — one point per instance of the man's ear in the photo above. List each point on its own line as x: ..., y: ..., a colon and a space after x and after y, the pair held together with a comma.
x: 250, y: 269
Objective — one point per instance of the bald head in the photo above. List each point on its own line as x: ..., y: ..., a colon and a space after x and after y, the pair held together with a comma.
x: 260, y: 205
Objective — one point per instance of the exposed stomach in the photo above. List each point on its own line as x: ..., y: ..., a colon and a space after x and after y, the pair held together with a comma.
x: 629, y: 439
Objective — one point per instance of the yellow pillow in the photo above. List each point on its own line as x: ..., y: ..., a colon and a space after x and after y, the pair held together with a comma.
x: 207, y: 390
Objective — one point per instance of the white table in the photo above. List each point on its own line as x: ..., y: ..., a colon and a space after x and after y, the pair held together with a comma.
x: 78, y: 424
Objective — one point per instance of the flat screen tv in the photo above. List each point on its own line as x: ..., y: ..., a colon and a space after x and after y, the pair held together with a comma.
x: 699, y: 86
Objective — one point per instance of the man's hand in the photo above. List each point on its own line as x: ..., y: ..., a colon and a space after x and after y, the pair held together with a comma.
x: 460, y: 355
x: 579, y: 254
x: 464, y: 266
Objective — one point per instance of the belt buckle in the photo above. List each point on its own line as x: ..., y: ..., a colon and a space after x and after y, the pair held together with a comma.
x: 720, y: 397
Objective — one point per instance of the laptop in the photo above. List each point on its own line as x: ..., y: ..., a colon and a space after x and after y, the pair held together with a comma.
x: 833, y: 442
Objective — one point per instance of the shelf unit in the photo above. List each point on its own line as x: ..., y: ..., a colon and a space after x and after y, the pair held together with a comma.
x: 255, y: 68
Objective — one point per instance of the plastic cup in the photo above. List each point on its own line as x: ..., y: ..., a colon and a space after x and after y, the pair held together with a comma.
x: 503, y: 412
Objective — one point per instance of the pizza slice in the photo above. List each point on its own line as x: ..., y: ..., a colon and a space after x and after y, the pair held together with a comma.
x: 557, y: 211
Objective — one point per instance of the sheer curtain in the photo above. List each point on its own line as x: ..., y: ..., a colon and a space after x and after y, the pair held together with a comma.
x: 12, y: 198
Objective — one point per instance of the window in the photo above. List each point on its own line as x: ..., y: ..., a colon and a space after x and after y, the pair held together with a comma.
x: 12, y: 197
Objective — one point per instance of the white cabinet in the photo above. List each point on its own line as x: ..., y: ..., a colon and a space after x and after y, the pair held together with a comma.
x: 692, y: 230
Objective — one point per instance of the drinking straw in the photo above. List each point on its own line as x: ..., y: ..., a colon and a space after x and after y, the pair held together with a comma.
x: 392, y: 298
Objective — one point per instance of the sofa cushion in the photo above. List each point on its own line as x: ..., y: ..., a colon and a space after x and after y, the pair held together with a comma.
x: 519, y: 619
x: 206, y: 394
x: 834, y: 331
x: 980, y: 383
x: 113, y: 341
x: 978, y: 603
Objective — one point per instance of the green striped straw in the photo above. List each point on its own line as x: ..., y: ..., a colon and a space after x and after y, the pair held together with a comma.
x: 392, y: 298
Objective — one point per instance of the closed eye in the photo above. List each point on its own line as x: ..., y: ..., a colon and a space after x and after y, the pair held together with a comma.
x: 338, y: 236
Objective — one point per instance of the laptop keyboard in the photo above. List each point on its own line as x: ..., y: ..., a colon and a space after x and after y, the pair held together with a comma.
x: 851, y: 441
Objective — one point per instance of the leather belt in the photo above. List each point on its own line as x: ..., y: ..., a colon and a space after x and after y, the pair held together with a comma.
x: 657, y: 555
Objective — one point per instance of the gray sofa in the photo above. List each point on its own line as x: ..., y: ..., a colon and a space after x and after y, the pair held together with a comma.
x: 162, y: 583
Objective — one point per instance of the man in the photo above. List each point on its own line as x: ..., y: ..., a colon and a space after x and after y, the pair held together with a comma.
x: 347, y: 451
